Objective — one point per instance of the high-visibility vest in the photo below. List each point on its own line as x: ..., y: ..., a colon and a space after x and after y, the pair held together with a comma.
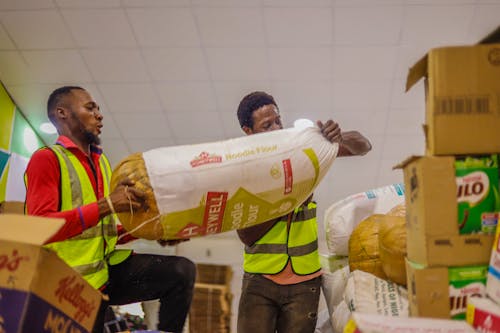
x: 89, y: 252
x: 298, y: 243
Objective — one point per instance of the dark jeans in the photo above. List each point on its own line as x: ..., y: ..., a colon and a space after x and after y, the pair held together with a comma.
x: 267, y: 307
x: 143, y: 277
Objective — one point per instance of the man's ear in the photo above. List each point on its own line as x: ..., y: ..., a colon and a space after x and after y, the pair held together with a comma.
x: 61, y: 113
x: 247, y: 130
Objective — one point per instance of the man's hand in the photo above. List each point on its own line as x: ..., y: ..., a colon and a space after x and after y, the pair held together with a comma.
x: 330, y: 130
x: 124, y: 198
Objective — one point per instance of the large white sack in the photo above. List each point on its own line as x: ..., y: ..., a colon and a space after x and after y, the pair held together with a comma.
x: 367, y: 293
x: 201, y: 189
x: 340, y: 317
x: 333, y: 286
x: 343, y: 216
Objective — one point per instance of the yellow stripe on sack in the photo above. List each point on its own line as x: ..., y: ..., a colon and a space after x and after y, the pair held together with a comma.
x: 350, y: 327
x: 315, y: 162
x: 469, y: 314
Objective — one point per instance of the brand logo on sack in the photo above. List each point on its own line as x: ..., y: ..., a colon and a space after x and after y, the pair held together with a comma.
x: 70, y: 290
x: 494, y: 57
x: 214, y: 212
x: 205, y: 158
x: 11, y: 263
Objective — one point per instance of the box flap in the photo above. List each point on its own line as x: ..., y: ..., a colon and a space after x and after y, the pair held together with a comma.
x: 406, y: 161
x: 493, y: 37
x: 33, y: 230
x: 416, y: 72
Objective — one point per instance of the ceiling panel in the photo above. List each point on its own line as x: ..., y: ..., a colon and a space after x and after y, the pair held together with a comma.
x: 99, y: 33
x: 37, y: 29
x: 171, y: 72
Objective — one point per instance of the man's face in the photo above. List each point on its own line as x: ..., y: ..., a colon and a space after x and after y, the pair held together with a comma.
x: 86, y: 119
x: 265, y: 119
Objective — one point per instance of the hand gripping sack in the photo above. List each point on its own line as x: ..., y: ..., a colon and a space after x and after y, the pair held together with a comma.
x: 201, y: 189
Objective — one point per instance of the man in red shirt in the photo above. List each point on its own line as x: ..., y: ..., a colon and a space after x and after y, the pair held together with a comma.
x: 70, y: 180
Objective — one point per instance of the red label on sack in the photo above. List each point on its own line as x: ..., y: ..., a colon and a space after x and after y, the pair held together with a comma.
x: 205, y: 158
x: 214, y: 212
x: 287, y: 171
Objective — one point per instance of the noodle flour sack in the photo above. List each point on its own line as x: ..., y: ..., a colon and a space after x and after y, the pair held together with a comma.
x: 202, y: 189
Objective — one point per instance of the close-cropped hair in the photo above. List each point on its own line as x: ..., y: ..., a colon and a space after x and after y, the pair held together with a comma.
x: 55, y: 99
x: 251, y: 103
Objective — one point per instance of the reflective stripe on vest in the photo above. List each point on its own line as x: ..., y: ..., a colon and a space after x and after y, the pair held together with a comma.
x: 299, y: 244
x: 88, y: 251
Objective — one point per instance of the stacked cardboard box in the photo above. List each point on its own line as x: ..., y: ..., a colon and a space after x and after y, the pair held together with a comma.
x: 12, y: 207
x: 462, y: 119
x: 211, y: 306
x: 38, y: 291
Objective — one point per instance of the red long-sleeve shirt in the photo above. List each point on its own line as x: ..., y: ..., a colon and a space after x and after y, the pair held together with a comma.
x: 43, y: 190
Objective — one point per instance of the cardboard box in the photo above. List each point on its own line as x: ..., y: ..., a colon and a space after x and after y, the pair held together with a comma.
x: 12, y: 207
x: 442, y: 292
x: 432, y: 216
x: 483, y: 314
x: 38, y: 291
x: 462, y: 98
x: 371, y: 323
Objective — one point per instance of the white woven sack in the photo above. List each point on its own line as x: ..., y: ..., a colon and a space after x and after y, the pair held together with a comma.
x: 343, y: 216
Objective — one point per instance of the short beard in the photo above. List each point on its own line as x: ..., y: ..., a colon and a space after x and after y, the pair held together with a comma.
x: 91, y: 138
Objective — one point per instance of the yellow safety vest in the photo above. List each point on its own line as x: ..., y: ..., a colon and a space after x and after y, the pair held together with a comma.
x: 90, y: 252
x: 299, y: 244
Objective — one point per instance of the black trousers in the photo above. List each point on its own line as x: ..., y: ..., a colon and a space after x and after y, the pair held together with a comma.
x: 144, y: 277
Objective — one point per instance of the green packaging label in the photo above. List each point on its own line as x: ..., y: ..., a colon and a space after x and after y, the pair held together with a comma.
x: 463, y: 283
x: 477, y: 193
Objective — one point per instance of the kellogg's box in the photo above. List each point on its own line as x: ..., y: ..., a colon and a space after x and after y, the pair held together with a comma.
x: 38, y: 291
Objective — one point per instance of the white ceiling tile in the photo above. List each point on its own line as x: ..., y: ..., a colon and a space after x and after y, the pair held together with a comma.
x: 303, y: 96
x: 444, y: 25
x: 115, y: 150
x: 369, y: 123
x: 387, y: 175
x: 367, y: 25
x: 229, y: 94
x: 413, y: 98
x: 407, y: 56
x: 25, y: 4
x: 352, y: 175
x: 142, y: 126
x: 484, y: 21
x: 359, y: 3
x: 5, y: 41
x: 440, y: 2
x: 230, y: 124
x: 203, y: 126
x: 31, y: 99
x: 399, y: 147
x: 88, y: 3
x: 41, y: 29
x: 222, y: 3
x: 172, y: 64
x: 110, y: 130
x: 158, y: 27
x: 57, y: 66
x: 116, y: 65
x: 300, y: 63
x: 361, y: 96
x: 14, y: 69
x: 100, y: 33
x: 238, y: 64
x: 226, y: 26
x: 351, y: 64
x: 186, y: 96
x: 298, y: 3
x: 132, y: 97
x: 299, y: 26
x: 155, y: 3
x: 406, y: 121
x: 143, y: 145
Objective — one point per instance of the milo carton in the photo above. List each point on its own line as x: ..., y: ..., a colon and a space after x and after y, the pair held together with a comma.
x: 477, y: 193
x: 465, y: 282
